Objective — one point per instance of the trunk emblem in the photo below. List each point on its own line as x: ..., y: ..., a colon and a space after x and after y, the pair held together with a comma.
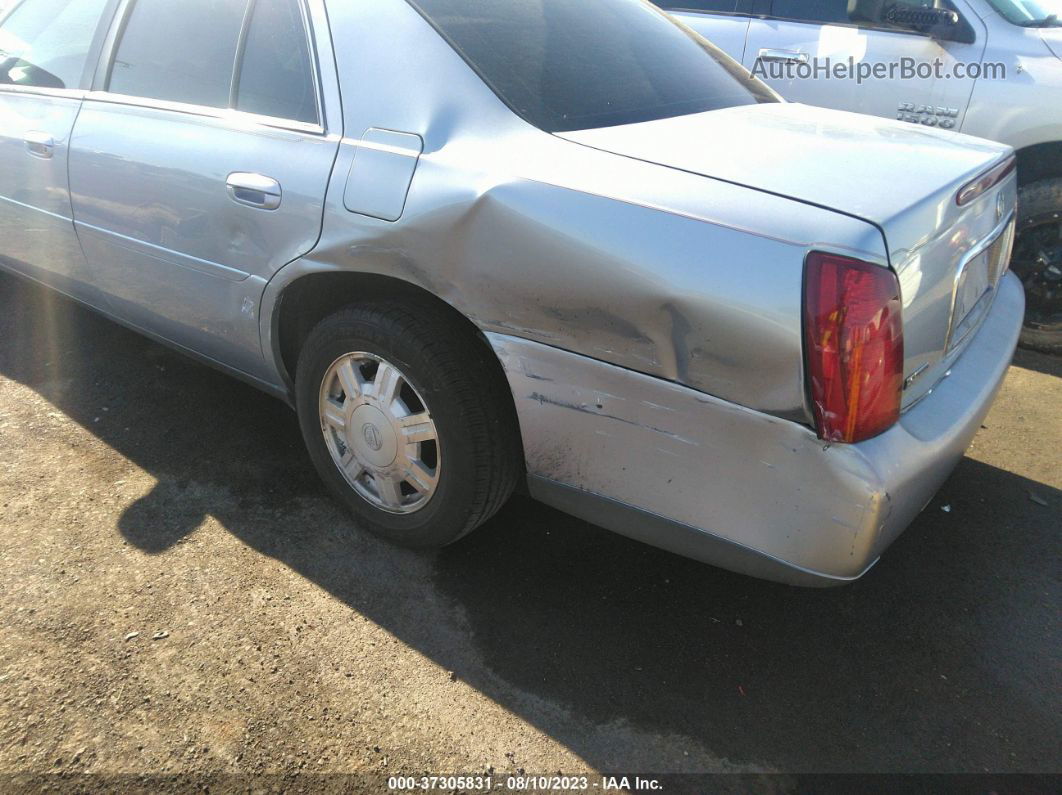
x: 1001, y: 206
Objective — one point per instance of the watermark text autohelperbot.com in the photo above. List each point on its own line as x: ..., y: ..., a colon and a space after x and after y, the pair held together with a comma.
x: 803, y: 67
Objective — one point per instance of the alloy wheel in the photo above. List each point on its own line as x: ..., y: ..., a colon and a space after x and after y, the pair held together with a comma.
x: 380, y: 433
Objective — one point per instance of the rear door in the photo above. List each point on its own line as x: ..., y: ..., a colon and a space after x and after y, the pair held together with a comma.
x: 199, y: 164
x: 46, y: 63
x: 724, y: 23
x: 812, y: 31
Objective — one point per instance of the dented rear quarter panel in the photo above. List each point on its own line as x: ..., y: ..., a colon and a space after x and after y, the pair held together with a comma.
x: 682, y: 277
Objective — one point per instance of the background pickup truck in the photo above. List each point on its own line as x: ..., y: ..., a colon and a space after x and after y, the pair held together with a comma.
x: 1023, y: 110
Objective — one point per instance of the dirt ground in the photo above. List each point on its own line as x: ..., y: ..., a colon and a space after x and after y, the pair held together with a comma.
x: 181, y: 598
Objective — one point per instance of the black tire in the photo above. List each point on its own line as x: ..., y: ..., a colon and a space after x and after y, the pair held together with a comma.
x: 1037, y: 261
x: 456, y: 374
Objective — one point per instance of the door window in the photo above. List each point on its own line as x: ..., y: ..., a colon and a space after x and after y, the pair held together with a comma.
x: 823, y: 12
x: 871, y: 15
x: 179, y: 51
x: 46, y: 43
x: 276, y: 77
x: 709, y: 6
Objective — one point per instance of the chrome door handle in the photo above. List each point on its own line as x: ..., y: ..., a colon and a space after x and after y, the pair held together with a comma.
x: 783, y: 55
x: 40, y: 144
x: 254, y: 190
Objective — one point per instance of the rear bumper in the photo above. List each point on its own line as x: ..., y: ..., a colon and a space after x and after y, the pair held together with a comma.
x: 915, y: 458
x: 729, y: 486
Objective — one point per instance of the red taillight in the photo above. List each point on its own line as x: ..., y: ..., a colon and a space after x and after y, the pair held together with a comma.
x: 854, y: 339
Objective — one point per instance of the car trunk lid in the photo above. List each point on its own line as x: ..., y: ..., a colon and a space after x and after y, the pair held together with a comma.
x: 901, y: 178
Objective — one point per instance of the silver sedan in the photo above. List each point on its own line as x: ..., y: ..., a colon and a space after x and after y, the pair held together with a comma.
x: 564, y: 243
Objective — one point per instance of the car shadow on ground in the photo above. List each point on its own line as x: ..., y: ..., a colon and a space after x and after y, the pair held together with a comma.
x: 1045, y: 363
x: 943, y: 658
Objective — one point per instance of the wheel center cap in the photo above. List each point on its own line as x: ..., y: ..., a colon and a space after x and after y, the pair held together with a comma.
x: 372, y: 437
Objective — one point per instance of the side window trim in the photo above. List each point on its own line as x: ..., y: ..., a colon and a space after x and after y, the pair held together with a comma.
x: 235, y: 117
x: 99, y: 39
x: 101, y: 92
x: 105, y: 64
x: 241, y: 48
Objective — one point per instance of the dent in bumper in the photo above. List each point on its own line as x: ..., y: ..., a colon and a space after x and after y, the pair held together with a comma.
x: 714, y: 481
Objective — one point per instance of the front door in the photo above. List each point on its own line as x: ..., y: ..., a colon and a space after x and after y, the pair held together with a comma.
x: 194, y: 181
x: 45, y: 64
x: 800, y: 34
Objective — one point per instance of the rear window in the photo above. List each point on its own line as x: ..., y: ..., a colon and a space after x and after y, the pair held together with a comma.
x: 568, y: 65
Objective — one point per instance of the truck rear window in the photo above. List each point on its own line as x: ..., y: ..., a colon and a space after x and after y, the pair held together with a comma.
x: 568, y: 65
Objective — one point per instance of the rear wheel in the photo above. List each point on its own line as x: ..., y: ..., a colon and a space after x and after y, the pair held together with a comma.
x: 1037, y: 261
x: 408, y: 420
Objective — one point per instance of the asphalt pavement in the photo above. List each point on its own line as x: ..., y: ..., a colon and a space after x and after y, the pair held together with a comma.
x: 144, y: 493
